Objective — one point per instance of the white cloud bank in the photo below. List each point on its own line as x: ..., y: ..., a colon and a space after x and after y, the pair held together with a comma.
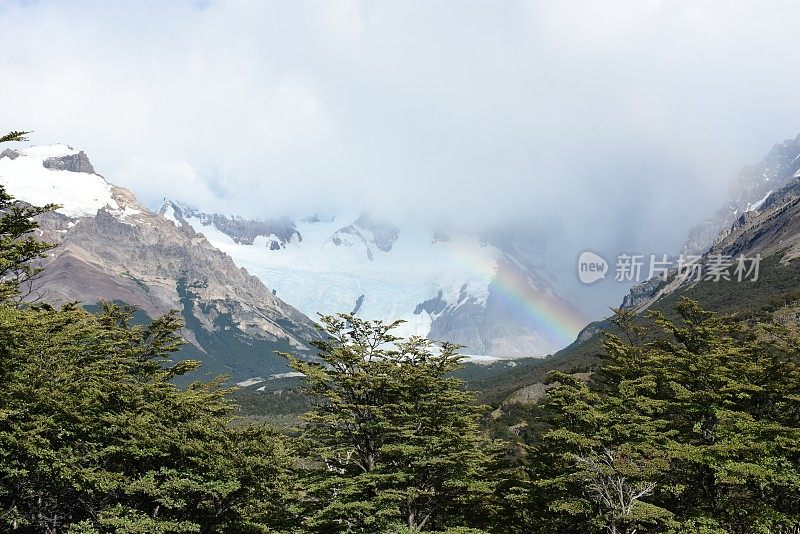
x: 590, y: 115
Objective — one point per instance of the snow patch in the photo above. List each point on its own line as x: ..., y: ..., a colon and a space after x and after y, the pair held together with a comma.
x: 480, y: 359
x: 80, y: 194
x: 124, y: 213
x: 250, y: 382
x: 758, y: 204
x: 258, y: 380
x: 169, y: 214
x: 290, y: 374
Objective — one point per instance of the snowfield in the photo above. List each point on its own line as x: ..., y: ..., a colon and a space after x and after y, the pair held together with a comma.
x: 80, y: 194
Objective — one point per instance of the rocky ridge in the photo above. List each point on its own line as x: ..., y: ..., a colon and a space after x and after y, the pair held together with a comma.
x: 759, y: 217
x: 751, y: 187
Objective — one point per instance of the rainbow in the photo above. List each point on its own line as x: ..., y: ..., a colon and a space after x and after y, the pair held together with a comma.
x: 546, y: 313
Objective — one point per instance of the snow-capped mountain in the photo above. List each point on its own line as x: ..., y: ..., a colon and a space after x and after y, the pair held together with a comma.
x: 492, y: 293
x: 113, y: 248
x: 487, y: 292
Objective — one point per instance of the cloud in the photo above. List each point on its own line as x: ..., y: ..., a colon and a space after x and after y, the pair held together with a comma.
x: 618, y: 123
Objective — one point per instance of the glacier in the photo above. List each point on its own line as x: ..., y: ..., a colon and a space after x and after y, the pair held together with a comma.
x: 354, y: 262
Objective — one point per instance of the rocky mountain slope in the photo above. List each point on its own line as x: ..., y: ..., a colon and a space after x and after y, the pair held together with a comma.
x: 760, y: 217
x: 746, y: 193
x: 491, y: 293
x: 113, y: 248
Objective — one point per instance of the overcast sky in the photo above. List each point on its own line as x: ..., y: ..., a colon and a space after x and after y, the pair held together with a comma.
x: 619, y: 123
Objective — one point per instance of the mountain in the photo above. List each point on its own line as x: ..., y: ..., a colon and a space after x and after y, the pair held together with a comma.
x: 760, y: 219
x: 112, y: 248
x: 757, y: 218
x: 491, y: 293
x: 746, y: 193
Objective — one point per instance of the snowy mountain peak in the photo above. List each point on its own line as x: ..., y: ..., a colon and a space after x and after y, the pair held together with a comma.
x: 490, y: 293
x: 273, y: 234
x: 112, y: 248
x: 56, y: 173
x: 366, y: 235
x: 172, y: 211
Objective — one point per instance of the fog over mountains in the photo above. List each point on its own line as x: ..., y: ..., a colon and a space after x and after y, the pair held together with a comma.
x: 112, y: 248
x: 261, y: 282
x: 441, y: 166
x: 494, y: 293
x: 612, y: 129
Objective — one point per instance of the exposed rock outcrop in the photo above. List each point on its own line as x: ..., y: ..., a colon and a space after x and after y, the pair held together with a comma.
x: 760, y: 217
x: 73, y: 162
x: 275, y: 233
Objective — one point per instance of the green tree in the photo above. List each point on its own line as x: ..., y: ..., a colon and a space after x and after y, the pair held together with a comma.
x: 14, y: 136
x: 18, y: 247
x: 598, y: 457
x: 93, y: 433
x: 393, y: 438
x: 695, y: 428
x: 730, y: 392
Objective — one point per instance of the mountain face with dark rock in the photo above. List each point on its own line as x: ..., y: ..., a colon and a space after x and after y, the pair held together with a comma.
x: 492, y: 293
x: 772, y: 229
x: 112, y: 248
x: 521, y: 311
x: 275, y: 233
x: 71, y: 162
x: 746, y: 193
x: 757, y: 218
x: 641, y: 293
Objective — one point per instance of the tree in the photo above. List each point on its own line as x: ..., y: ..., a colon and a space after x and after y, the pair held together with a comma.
x: 18, y: 247
x: 598, y: 434
x: 93, y: 433
x: 607, y: 482
x: 15, y: 136
x: 694, y: 428
x: 392, y: 437
x: 730, y: 393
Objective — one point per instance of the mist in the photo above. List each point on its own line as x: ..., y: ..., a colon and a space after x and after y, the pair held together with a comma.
x: 613, y: 126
